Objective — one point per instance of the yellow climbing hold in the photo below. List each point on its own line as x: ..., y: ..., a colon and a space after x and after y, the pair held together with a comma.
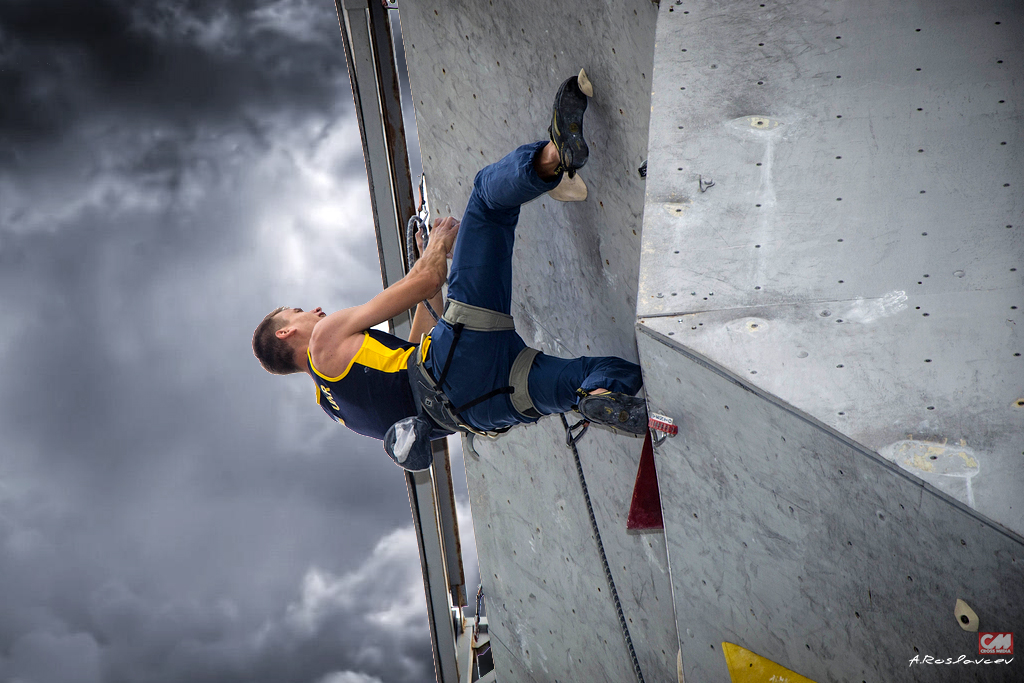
x: 747, y: 667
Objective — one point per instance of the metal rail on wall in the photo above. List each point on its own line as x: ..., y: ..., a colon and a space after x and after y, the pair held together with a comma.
x: 370, y: 56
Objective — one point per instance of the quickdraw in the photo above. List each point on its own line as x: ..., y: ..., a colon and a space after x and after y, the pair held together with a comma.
x: 417, y: 222
x: 572, y: 437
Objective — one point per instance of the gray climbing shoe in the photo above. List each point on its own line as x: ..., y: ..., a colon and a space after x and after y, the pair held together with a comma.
x: 566, y: 129
x: 620, y: 411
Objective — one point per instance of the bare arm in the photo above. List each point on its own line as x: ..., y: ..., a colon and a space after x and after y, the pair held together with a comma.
x: 424, y: 281
x: 422, y: 321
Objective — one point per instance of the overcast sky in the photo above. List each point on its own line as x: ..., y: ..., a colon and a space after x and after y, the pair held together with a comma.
x: 169, y: 172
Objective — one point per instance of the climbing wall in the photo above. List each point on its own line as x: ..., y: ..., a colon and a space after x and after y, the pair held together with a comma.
x: 795, y: 542
x: 828, y: 298
x: 829, y: 303
x: 483, y: 77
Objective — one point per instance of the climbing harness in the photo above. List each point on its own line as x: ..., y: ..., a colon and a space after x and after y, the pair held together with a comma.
x: 475, y: 318
x: 419, y: 221
x: 429, y: 392
x: 571, y: 442
x: 437, y: 413
x: 462, y: 316
x: 430, y: 395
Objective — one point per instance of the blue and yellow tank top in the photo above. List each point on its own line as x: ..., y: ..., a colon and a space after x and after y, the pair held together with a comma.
x: 373, y: 393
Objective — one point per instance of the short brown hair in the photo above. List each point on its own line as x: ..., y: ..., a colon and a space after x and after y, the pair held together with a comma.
x: 275, y: 355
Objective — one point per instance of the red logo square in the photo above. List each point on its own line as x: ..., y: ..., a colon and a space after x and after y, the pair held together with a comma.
x: 995, y: 643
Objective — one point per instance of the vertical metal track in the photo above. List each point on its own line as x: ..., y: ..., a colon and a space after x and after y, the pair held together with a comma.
x: 370, y: 56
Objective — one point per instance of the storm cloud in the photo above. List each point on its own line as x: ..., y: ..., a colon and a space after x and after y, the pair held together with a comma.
x: 169, y: 172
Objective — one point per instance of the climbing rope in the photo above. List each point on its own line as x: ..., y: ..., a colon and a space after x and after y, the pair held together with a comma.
x: 419, y: 221
x: 571, y: 441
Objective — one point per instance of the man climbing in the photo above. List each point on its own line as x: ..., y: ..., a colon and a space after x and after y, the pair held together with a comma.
x: 472, y: 373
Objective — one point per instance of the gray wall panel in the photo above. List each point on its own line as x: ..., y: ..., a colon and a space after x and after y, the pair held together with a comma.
x: 832, y: 366
x: 483, y: 78
x: 547, y: 599
x: 793, y: 541
x: 867, y: 162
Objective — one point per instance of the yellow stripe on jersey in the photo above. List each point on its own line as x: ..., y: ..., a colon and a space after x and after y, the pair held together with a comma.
x: 319, y: 394
x: 374, y: 355
x: 349, y: 367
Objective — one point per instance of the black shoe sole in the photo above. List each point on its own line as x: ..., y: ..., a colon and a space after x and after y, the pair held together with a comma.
x: 566, y: 129
x: 620, y: 411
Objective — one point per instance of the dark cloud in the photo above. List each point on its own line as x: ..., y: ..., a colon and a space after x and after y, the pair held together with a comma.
x: 168, y: 173
x: 63, y: 60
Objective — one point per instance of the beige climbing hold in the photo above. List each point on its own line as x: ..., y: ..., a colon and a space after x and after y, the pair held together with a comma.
x: 570, y: 189
x: 585, y: 85
x: 679, y: 665
x: 965, y: 616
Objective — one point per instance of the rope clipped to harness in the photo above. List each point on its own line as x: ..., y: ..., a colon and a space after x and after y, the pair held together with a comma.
x: 571, y: 442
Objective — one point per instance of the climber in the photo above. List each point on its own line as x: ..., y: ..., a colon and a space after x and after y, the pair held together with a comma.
x: 468, y: 372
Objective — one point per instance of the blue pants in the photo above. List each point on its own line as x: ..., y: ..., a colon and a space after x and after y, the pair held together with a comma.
x: 481, y: 275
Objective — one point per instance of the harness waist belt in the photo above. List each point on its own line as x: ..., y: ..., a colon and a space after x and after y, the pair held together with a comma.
x: 475, y: 318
